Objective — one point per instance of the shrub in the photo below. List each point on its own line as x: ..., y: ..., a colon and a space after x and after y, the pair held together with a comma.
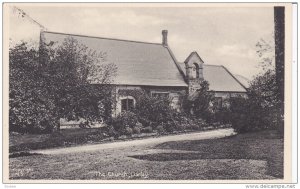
x: 128, y: 131
x: 139, y: 125
x: 223, y: 116
x: 144, y: 121
x: 160, y: 129
x: 170, y: 126
x: 199, y: 101
x: 195, y: 126
x: 147, y: 129
x: 200, y: 122
x: 153, y: 111
x: 136, y: 130
x: 29, y: 108
x: 112, y: 132
x: 265, y: 100
x: 247, y: 116
x: 208, y: 116
x: 124, y: 120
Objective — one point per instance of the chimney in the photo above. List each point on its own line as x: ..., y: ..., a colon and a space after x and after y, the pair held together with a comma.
x: 165, y: 37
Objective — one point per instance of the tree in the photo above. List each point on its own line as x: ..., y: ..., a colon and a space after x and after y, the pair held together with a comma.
x: 79, y: 81
x: 154, y: 110
x: 203, y: 100
x: 68, y: 81
x: 30, y: 109
x: 200, y: 102
x: 263, y: 107
x: 268, y: 87
x: 263, y: 91
x: 265, y: 51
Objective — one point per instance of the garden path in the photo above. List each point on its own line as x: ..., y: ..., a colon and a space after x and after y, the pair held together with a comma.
x: 219, y: 133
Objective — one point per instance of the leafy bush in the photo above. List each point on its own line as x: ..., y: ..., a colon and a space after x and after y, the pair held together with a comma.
x: 136, y: 129
x: 123, y: 121
x: 198, y: 103
x: 144, y: 121
x: 153, y: 111
x: 148, y: 129
x: 156, y: 113
x: 208, y: 116
x: 30, y: 109
x: 128, y: 131
x: 160, y: 129
x: 223, y: 116
x: 170, y: 126
x: 53, y: 83
x: 264, y: 91
x: 261, y: 110
x: 112, y: 132
x: 139, y: 125
x: 247, y: 116
x: 200, y: 122
x: 195, y: 126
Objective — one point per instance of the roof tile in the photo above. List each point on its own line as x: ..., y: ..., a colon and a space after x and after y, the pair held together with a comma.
x: 219, y: 78
x: 138, y: 63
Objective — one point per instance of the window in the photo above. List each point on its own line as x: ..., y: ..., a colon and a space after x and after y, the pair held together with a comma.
x: 160, y: 94
x: 218, y: 102
x: 195, y: 71
x: 127, y: 104
x: 175, y: 104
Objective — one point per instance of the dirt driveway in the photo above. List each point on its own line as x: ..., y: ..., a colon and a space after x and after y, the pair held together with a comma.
x: 141, y: 142
x: 121, y: 161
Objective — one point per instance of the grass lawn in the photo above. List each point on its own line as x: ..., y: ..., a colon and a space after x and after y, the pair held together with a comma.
x: 68, y: 137
x: 245, y: 156
x: 264, y: 145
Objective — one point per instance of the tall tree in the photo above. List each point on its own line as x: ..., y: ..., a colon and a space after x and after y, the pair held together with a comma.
x: 30, y: 108
x: 68, y: 81
x: 78, y: 80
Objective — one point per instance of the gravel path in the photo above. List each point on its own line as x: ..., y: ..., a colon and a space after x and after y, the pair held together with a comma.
x: 140, y: 142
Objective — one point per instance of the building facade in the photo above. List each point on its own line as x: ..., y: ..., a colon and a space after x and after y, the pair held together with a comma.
x: 153, y: 67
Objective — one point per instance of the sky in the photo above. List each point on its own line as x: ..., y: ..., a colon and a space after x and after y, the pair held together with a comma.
x: 221, y: 35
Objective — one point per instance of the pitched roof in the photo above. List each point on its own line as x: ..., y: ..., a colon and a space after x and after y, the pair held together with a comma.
x: 193, y: 53
x: 220, y: 79
x: 138, y: 63
x: 245, y: 81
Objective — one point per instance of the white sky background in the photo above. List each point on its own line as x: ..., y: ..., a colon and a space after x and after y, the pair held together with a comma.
x: 221, y: 36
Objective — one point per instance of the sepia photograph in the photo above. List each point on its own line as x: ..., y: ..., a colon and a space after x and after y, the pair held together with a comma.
x: 142, y: 92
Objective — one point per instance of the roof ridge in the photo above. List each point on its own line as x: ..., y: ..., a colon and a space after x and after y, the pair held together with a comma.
x: 212, y: 65
x: 115, y: 39
x: 205, y: 64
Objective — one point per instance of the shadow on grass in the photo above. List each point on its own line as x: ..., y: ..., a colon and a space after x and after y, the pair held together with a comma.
x: 62, y: 138
x: 22, y: 154
x: 176, y: 156
x: 265, y: 145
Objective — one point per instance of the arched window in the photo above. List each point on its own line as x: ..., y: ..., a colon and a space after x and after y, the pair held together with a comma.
x: 195, y: 71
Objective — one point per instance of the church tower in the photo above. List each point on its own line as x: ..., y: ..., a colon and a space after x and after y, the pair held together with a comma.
x: 194, y: 71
